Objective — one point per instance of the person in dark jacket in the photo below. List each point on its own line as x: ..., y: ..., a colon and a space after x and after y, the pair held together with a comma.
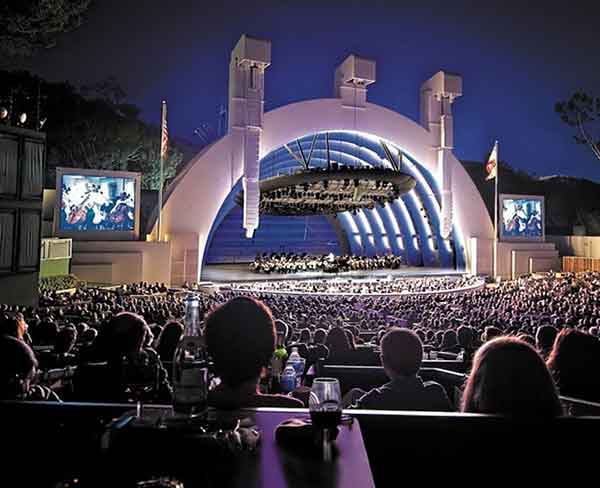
x: 401, y: 356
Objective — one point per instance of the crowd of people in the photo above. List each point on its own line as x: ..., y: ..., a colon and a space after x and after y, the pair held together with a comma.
x: 522, y: 343
x: 339, y: 286
x: 329, y: 263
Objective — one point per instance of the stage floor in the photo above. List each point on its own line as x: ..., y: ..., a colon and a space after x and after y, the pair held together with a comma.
x: 230, y: 273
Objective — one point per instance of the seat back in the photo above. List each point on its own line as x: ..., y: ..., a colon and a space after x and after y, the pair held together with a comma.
x: 452, y: 448
x: 368, y: 377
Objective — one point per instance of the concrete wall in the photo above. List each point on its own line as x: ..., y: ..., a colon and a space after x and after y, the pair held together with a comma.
x: 514, y: 258
x: 117, y: 262
x: 582, y: 246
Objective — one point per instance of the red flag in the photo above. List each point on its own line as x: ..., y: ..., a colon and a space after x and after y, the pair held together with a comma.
x: 492, y: 165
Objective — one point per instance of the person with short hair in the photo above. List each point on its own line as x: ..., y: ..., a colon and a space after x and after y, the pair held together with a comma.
x: 401, y: 357
x: 544, y: 339
x: 240, y: 338
x: 18, y: 367
x: 14, y: 325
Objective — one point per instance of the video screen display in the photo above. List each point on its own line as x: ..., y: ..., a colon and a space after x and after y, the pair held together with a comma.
x: 522, y: 217
x: 97, y: 203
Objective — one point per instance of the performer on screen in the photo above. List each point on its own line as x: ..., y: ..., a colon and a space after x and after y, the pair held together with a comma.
x: 122, y: 213
x: 534, y: 225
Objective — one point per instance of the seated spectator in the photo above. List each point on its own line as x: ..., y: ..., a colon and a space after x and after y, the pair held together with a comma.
x: 61, y: 356
x: 465, y: 338
x: 319, y: 338
x: 490, y: 332
x: 14, y: 325
x: 120, y: 359
x: 575, y: 364
x: 338, y: 344
x: 510, y: 378
x: 449, y: 342
x: 544, y: 339
x: 401, y: 356
x: 528, y: 338
x: 240, y: 337
x: 304, y: 336
x: 168, y: 340
x: 17, y: 373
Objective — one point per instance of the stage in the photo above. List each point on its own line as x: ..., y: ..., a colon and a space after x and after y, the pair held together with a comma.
x: 231, y: 273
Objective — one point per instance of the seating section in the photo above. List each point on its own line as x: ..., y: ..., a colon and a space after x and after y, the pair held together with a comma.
x: 368, y: 377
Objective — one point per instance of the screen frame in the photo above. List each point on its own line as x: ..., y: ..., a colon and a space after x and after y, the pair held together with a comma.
x: 98, y: 235
x: 511, y: 196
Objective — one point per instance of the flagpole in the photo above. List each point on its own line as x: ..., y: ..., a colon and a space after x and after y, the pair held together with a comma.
x: 163, y: 118
x: 496, y: 213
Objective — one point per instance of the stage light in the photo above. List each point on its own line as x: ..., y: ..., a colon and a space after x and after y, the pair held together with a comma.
x: 23, y: 118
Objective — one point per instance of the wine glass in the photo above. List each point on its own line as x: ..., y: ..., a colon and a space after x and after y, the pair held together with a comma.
x: 325, y: 405
x: 139, y: 378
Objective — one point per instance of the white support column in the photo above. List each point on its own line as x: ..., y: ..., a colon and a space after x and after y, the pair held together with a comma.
x: 437, y: 95
x: 249, y: 59
x: 352, y: 78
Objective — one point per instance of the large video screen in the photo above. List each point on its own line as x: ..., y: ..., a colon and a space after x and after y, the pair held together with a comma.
x: 97, y: 203
x: 522, y: 217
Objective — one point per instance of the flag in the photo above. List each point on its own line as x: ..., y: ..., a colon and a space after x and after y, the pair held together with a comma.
x: 492, y: 165
x: 164, y: 138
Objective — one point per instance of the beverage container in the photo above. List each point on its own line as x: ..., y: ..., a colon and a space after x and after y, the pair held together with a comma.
x: 326, y: 419
x: 297, y: 362
x: 279, y: 357
x: 325, y: 405
x: 190, y: 365
x: 288, y: 379
x: 277, y: 364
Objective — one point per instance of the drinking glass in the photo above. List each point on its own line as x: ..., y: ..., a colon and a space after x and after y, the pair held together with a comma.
x: 139, y: 378
x: 325, y: 405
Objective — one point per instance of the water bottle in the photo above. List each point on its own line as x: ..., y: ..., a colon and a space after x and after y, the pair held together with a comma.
x: 295, y: 360
x: 288, y: 379
x: 190, y: 365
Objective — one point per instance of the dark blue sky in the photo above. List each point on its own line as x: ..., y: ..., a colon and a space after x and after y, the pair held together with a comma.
x: 516, y: 61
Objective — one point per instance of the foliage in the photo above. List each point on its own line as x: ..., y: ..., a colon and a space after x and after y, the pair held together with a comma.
x: 29, y: 25
x: 582, y: 111
x: 97, y: 131
x: 55, y: 283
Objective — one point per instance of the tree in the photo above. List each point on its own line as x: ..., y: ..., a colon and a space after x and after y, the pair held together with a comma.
x: 28, y: 25
x: 95, y: 132
x: 582, y: 111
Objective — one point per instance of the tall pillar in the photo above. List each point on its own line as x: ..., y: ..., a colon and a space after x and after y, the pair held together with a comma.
x: 437, y: 95
x: 351, y: 80
x: 249, y: 59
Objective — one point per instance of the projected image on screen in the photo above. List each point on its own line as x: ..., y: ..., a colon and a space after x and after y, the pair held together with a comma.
x: 97, y: 203
x: 522, y: 217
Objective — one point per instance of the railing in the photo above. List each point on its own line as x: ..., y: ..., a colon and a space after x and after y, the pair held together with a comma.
x: 577, y: 264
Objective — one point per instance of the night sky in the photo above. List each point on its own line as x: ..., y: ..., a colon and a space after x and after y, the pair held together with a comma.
x: 516, y: 60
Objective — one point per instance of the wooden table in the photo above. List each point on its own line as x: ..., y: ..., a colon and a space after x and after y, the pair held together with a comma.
x: 163, y: 451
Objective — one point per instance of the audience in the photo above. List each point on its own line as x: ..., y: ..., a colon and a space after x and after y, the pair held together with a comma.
x: 510, y: 378
x: 107, y: 336
x: 401, y: 356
